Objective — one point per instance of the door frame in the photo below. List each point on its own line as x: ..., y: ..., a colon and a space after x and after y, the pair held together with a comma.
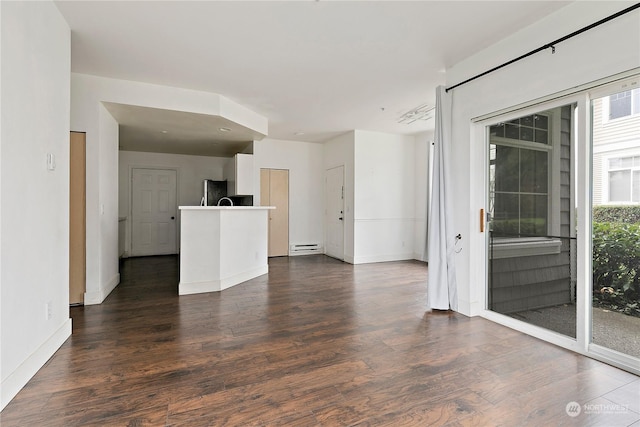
x: 129, y: 227
x: 326, y: 222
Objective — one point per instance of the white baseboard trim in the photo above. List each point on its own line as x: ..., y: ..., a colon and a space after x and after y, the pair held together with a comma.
x: 419, y: 257
x: 349, y: 259
x: 20, y: 377
x: 383, y: 258
x: 475, y: 309
x: 92, y: 298
x: 188, y: 288
x: 111, y: 285
x: 303, y: 253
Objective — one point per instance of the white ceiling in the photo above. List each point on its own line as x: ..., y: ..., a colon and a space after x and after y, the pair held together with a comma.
x: 314, y: 69
x: 165, y: 131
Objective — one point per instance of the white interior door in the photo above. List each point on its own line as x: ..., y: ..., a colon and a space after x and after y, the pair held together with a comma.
x: 334, y: 214
x: 153, y: 212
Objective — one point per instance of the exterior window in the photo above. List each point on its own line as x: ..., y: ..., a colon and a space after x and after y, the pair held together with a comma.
x: 519, y: 177
x: 624, y: 179
x: 624, y: 104
x: 534, y: 128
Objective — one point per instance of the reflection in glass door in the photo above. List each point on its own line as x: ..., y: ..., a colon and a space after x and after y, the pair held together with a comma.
x: 616, y: 222
x: 532, y: 228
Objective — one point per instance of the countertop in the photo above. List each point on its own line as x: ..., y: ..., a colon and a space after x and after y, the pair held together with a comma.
x: 213, y: 208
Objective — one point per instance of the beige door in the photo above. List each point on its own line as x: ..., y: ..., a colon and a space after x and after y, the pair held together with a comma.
x: 274, y: 191
x: 153, y: 212
x: 77, y: 218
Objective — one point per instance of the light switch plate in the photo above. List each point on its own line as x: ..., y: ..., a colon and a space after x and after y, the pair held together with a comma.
x: 51, y: 161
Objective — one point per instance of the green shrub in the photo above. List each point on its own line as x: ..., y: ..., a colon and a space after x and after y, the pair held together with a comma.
x: 616, y: 265
x: 626, y: 213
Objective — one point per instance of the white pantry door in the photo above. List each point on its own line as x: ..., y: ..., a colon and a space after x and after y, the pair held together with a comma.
x: 153, y: 212
x: 334, y: 215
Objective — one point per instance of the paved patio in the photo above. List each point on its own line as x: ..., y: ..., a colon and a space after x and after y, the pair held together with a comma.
x: 611, y: 329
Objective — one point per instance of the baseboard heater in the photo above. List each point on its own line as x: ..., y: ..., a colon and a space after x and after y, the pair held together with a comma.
x: 305, y: 249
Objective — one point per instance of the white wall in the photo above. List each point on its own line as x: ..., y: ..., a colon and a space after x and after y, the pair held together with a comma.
x: 11, y: 394
x: 423, y: 145
x: 601, y: 52
x: 108, y: 207
x: 384, y: 197
x: 340, y: 151
x: 304, y: 161
x: 386, y: 181
x: 191, y: 171
x: 89, y: 115
x: 34, y: 224
x: 3, y: 399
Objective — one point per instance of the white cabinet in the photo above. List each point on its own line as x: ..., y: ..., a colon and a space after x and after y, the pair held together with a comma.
x: 221, y: 246
x: 238, y: 172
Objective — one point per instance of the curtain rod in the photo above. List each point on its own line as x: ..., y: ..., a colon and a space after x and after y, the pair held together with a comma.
x: 550, y: 45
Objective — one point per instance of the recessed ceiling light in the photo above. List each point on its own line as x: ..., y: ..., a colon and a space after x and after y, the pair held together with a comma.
x: 164, y: 131
x: 224, y: 129
x: 299, y: 133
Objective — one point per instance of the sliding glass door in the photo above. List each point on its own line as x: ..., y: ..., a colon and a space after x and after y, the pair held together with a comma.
x: 532, y: 264
x: 563, y: 205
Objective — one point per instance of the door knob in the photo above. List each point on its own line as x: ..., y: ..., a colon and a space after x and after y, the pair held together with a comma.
x: 173, y: 217
x: 340, y: 218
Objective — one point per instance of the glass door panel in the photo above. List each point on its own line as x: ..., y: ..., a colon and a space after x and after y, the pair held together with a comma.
x: 532, y: 233
x: 616, y: 222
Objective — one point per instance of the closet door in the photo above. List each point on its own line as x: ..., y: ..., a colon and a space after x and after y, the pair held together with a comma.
x: 77, y: 221
x: 274, y: 191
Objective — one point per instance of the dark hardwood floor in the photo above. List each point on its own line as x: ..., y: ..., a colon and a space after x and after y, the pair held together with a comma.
x: 314, y: 342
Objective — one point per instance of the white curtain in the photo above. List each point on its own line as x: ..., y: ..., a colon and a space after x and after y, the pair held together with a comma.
x: 441, y: 281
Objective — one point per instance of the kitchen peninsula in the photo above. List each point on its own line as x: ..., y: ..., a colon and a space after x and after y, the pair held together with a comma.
x: 221, y: 246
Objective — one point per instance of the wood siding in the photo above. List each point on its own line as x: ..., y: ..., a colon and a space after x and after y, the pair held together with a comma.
x: 527, y: 283
x: 607, y: 133
x: 613, y: 131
